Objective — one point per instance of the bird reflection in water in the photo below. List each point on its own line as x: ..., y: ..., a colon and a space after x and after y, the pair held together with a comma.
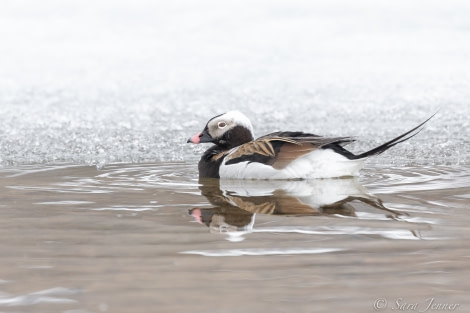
x: 236, y: 202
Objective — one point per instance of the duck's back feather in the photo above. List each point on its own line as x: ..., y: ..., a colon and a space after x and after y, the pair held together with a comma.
x: 280, y: 148
x: 287, y: 155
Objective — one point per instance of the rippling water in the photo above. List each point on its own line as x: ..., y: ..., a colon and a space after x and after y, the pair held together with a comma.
x: 133, y: 237
x: 101, y: 209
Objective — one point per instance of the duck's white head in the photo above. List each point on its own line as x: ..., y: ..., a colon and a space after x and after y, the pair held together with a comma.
x: 227, y: 130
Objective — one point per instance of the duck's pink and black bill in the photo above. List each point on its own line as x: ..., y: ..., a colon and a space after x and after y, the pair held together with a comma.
x: 196, y: 138
x: 200, y: 137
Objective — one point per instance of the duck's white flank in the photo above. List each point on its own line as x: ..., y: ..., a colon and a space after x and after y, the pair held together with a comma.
x: 320, y: 163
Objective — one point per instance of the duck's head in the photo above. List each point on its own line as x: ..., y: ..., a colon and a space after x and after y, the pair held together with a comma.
x: 227, y: 130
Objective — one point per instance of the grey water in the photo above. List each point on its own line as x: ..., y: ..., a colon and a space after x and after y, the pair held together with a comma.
x: 101, y: 208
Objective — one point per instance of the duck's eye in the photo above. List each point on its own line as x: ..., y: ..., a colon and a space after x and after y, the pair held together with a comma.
x: 221, y: 124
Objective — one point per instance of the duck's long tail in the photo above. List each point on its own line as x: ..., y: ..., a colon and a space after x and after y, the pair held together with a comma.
x: 409, y: 134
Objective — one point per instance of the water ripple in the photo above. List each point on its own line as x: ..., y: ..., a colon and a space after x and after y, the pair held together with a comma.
x: 260, y: 252
x: 394, y: 180
x: 53, y: 295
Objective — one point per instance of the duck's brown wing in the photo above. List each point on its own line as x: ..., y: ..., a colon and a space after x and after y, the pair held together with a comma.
x: 280, y: 148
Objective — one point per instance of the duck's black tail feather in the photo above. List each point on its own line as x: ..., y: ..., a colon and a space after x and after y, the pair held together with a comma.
x: 409, y: 134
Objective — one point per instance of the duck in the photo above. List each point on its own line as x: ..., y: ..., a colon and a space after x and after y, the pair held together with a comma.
x: 281, y: 155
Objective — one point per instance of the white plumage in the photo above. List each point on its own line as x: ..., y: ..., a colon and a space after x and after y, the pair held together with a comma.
x: 316, y: 164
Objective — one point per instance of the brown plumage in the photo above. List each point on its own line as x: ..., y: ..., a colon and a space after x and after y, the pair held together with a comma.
x: 280, y: 148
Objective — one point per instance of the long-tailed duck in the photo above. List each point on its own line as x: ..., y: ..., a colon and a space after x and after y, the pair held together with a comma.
x: 279, y: 155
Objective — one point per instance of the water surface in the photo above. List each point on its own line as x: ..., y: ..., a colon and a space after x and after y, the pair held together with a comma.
x: 150, y: 237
